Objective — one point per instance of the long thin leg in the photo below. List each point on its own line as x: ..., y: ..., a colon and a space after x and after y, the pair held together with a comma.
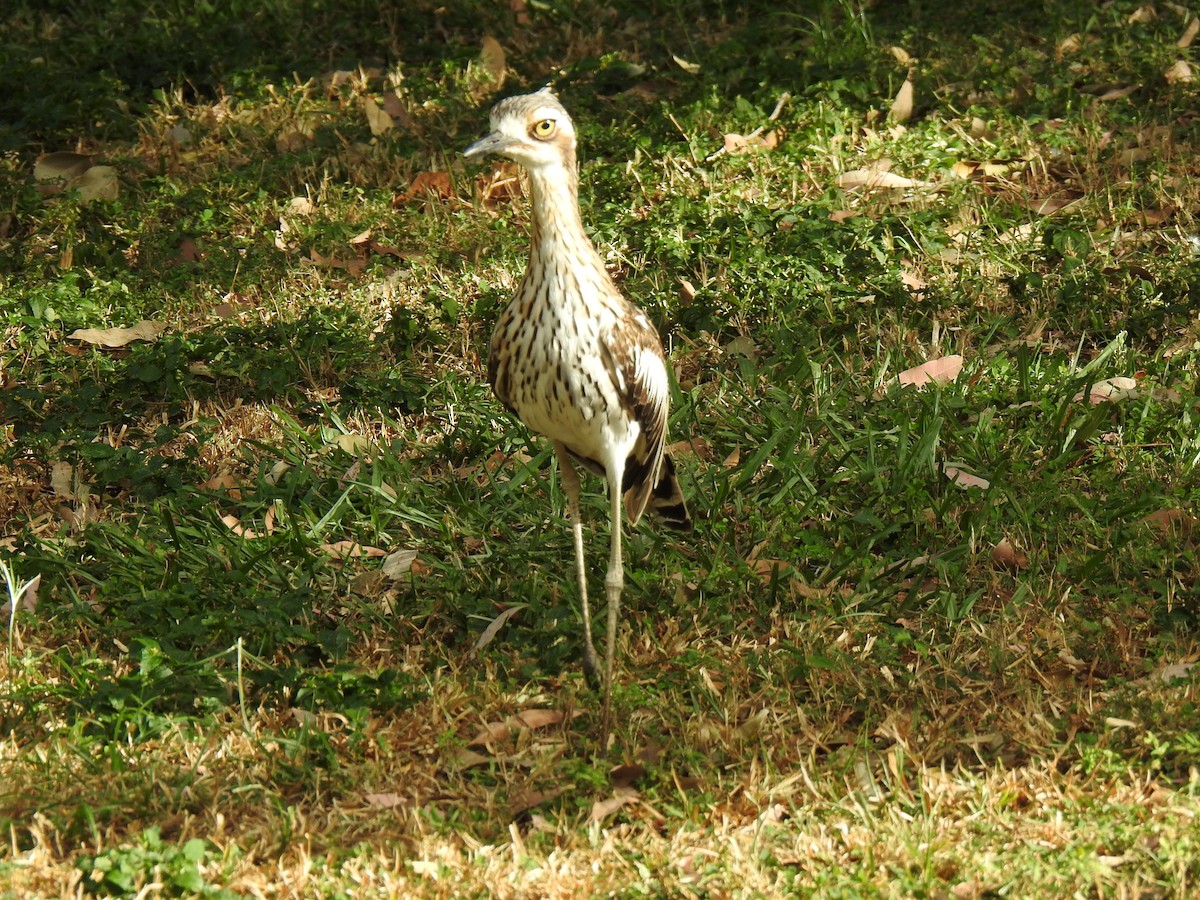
x: 613, y: 582
x: 570, y: 483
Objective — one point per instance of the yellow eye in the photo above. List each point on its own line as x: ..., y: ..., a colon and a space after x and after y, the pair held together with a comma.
x: 544, y: 129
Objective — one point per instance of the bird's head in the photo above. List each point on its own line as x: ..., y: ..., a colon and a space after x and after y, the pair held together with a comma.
x: 531, y: 129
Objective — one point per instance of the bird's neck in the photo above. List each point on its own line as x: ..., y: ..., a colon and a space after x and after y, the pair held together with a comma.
x: 557, y: 226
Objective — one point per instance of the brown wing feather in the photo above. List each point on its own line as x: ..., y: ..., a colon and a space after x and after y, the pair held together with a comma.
x: 636, y: 359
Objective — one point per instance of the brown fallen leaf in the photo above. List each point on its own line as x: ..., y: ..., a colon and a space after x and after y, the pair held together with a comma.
x: 1048, y: 206
x: 351, y: 550
x: 1170, y: 520
x: 1117, y: 93
x: 769, y: 569
x: 964, y: 479
x: 915, y: 283
x: 626, y: 775
x: 26, y: 596
x: 902, y: 105
x: 377, y: 118
x: 1189, y: 34
x: 398, y: 564
x: 234, y: 525
x: 1175, y: 672
x: 492, y: 62
x: 1110, y: 390
x: 1008, y: 557
x: 527, y: 799
x: 841, y: 215
x: 489, y: 633
x: 118, y: 337
x: 528, y: 720
x: 1144, y: 13
x: 97, y: 183
x: 602, y: 809
x: 55, y: 170
x: 1068, y: 45
x: 385, y: 800
x: 938, y: 371
x: 1179, y: 73
x: 874, y: 178
x: 426, y: 185
x: 751, y: 143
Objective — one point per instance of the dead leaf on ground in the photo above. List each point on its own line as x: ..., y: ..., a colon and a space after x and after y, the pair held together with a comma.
x: 1111, y: 390
x: 876, y: 178
x: 602, y: 809
x: 902, y: 105
x: 1055, y: 203
x: 63, y: 481
x: 1189, y: 34
x: 841, y: 215
x: 495, y: 625
x: 527, y: 720
x: 1068, y: 45
x: 963, y: 479
x: 1144, y: 13
x: 525, y: 800
x: 1179, y: 73
x: 1170, y: 520
x: 385, y: 800
x: 938, y: 371
x: 353, y: 266
x: 54, y: 170
x: 1175, y: 672
x: 697, y: 447
x: 461, y: 759
x: 301, y: 206
x: 398, y: 564
x: 751, y: 143
x: 690, y: 67
x: 352, y: 550
x: 1111, y: 92
x: 625, y: 775
x: 913, y: 282
x: 377, y: 118
x: 188, y: 252
x: 770, y: 569
x: 234, y: 524
x: 492, y: 61
x: 118, y: 337
x: 426, y: 185
x: 1008, y: 557
x: 27, y: 599
x: 97, y: 183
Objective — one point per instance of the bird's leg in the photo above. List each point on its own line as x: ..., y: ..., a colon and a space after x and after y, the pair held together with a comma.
x: 570, y: 483
x: 614, y: 580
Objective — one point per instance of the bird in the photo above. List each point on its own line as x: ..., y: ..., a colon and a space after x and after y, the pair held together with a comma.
x: 576, y: 361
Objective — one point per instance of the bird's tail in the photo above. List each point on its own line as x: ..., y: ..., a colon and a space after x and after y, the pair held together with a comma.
x: 666, y: 500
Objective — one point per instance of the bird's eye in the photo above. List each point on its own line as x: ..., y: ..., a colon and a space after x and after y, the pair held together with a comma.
x: 544, y: 129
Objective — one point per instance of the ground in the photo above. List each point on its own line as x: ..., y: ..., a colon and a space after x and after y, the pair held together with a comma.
x: 301, y: 616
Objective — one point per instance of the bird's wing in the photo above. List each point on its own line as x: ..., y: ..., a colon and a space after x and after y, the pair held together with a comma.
x: 634, y: 356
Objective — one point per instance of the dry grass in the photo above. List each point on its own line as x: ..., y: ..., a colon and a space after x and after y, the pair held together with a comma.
x: 833, y: 689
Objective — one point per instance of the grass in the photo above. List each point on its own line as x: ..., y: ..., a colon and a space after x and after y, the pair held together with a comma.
x: 271, y: 541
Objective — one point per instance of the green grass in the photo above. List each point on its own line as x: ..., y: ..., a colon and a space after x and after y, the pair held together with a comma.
x: 831, y: 687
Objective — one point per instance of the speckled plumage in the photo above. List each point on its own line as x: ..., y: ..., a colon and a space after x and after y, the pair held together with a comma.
x: 575, y: 360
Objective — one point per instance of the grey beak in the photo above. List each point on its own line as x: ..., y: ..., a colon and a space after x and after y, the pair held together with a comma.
x: 493, y: 143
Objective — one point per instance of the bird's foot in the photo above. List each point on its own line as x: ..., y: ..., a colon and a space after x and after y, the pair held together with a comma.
x: 591, y: 667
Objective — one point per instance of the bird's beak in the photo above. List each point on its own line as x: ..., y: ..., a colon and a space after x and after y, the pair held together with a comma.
x: 493, y: 143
